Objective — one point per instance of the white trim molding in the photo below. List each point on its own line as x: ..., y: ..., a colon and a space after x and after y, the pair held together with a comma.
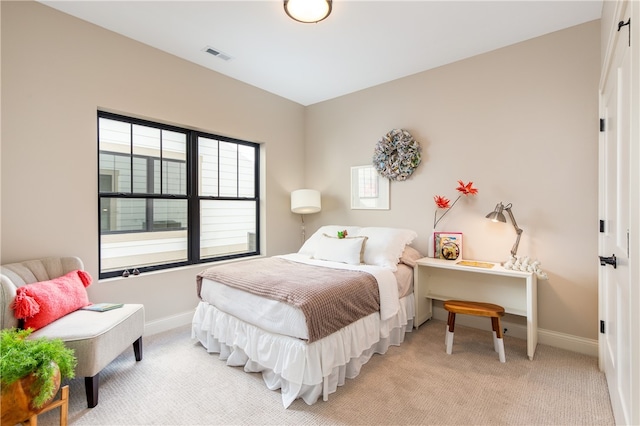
x: 168, y: 323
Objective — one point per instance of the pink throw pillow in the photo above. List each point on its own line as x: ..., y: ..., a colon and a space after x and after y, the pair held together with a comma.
x: 44, y: 302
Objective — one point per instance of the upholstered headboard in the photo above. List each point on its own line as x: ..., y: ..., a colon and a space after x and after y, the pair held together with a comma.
x: 14, y: 275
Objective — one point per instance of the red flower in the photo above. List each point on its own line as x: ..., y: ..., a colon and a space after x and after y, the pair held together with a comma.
x: 466, y: 189
x: 441, y: 202
x: 444, y: 203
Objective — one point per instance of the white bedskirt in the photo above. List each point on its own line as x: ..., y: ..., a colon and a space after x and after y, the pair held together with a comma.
x: 299, y: 369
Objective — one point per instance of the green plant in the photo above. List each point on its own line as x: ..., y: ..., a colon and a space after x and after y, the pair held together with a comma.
x: 20, y: 356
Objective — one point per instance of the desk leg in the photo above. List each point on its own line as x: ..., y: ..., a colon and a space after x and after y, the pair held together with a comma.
x: 532, y: 335
x: 532, y: 340
x: 532, y: 315
x: 423, y: 305
x: 424, y: 310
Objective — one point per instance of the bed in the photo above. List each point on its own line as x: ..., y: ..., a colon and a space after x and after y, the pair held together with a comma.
x: 306, y: 340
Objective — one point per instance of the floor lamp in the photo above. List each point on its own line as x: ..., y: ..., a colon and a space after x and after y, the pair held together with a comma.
x: 305, y: 201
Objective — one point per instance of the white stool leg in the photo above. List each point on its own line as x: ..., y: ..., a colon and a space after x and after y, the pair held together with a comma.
x: 500, y: 343
x: 495, y: 342
x: 448, y: 339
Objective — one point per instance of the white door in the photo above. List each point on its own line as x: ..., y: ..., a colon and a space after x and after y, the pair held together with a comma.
x: 614, y: 283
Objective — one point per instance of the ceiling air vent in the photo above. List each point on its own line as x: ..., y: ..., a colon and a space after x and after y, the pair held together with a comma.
x: 217, y: 53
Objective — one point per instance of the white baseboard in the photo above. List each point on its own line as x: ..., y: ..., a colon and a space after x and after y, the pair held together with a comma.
x: 167, y: 323
x: 568, y: 342
x: 545, y: 337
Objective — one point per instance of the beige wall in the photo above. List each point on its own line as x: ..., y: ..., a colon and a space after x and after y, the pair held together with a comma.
x: 520, y: 122
x: 56, y: 72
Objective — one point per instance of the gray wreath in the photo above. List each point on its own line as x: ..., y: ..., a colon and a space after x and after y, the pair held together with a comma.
x: 396, y: 155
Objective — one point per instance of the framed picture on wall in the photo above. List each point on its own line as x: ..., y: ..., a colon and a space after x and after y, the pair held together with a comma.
x: 369, y: 190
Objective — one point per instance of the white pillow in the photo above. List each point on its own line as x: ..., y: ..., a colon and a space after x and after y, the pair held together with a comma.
x: 385, y: 245
x: 344, y: 250
x: 311, y: 245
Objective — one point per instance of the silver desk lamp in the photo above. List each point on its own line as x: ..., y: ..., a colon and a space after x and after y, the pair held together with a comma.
x: 498, y: 216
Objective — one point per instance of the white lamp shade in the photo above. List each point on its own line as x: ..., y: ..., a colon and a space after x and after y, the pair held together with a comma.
x: 305, y: 201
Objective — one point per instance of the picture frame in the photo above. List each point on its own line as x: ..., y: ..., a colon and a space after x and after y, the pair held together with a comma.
x: 369, y: 190
x: 447, y: 245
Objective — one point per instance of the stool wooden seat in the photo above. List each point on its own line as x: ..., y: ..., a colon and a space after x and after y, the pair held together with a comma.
x: 479, y: 309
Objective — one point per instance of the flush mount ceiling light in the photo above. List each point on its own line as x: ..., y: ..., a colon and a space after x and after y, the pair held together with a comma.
x: 307, y: 11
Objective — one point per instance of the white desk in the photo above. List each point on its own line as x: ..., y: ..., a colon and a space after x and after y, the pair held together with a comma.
x: 441, y: 279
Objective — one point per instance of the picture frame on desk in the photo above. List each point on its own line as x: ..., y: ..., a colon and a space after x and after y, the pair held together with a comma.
x: 447, y: 245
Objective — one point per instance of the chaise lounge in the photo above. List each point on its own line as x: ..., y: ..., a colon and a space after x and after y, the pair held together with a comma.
x: 96, y: 337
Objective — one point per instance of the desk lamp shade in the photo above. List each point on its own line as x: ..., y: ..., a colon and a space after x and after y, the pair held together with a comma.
x: 305, y: 201
x: 497, y: 215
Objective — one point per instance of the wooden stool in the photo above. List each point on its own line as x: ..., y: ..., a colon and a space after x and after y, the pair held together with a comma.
x: 479, y: 309
x: 63, y: 403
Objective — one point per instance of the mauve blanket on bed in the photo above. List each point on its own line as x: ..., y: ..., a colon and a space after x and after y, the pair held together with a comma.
x: 329, y: 298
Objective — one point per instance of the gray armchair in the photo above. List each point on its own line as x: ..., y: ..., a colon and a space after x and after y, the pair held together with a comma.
x: 96, y: 337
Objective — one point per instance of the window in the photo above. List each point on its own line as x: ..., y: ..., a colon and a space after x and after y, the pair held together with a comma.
x: 171, y: 197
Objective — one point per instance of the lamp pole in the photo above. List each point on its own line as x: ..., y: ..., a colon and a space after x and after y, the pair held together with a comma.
x: 514, y: 249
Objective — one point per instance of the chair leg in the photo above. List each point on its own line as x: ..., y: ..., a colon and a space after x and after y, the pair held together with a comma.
x: 137, y: 348
x: 448, y: 338
x: 498, y: 341
x: 91, y: 385
x: 501, y: 354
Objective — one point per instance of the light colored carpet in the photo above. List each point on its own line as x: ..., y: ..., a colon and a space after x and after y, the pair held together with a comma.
x: 178, y: 383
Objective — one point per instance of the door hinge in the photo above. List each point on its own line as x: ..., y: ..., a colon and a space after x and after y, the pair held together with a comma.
x: 624, y: 24
x: 602, y: 124
x: 601, y: 326
x: 601, y: 225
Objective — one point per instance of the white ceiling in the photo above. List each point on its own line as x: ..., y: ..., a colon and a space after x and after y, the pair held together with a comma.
x: 360, y: 45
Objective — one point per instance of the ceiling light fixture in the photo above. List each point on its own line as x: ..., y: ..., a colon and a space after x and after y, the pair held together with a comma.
x: 307, y: 11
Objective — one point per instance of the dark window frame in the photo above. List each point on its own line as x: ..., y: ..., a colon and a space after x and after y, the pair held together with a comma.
x: 149, y: 223
x: 192, y: 197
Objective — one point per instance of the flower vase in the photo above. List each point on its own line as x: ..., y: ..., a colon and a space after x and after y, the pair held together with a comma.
x: 431, y: 244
